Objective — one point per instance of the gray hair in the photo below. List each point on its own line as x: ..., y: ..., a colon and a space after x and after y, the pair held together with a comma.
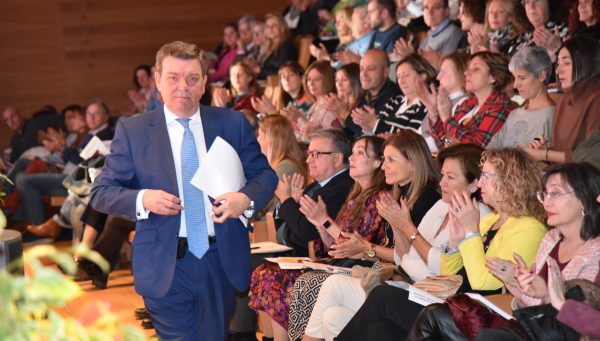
x: 247, y: 19
x: 533, y: 59
x: 338, y: 140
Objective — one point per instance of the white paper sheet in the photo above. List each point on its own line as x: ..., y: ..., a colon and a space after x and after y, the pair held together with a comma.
x: 415, y: 294
x: 220, y: 171
x: 328, y: 268
x: 268, y: 247
x: 95, y: 146
x: 289, y: 263
x: 490, y: 305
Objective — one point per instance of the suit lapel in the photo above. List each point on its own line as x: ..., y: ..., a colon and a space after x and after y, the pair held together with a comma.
x: 209, y: 126
x: 161, y: 145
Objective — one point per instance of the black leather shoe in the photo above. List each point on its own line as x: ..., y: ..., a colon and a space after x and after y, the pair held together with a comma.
x: 99, y: 278
x: 141, y: 313
x: 147, y: 324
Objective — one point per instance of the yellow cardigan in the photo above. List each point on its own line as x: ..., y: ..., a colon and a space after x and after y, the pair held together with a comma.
x: 521, y: 235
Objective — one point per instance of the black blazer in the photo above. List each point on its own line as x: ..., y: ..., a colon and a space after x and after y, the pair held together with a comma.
x: 299, y: 231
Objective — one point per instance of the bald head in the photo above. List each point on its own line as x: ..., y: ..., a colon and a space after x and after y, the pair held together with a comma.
x: 374, y: 68
x: 13, y: 119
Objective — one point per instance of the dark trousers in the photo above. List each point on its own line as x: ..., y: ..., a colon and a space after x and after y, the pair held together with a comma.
x: 199, y: 302
x: 387, y: 314
x: 112, y: 238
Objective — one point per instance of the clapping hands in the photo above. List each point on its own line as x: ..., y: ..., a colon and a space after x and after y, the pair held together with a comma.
x: 290, y: 186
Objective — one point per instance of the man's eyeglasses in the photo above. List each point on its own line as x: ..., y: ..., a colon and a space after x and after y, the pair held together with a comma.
x: 541, y: 195
x: 315, y: 154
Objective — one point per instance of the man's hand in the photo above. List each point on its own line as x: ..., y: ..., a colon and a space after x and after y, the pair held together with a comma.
x: 365, y: 117
x: 161, y: 203
x: 229, y: 205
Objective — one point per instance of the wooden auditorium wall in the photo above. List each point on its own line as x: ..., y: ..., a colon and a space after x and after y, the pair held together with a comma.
x: 59, y: 52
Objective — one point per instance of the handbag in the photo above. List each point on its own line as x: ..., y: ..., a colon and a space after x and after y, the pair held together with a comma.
x: 470, y: 316
x: 81, y: 179
x: 440, y: 286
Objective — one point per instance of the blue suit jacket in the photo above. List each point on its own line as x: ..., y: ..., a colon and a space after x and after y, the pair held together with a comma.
x: 141, y: 158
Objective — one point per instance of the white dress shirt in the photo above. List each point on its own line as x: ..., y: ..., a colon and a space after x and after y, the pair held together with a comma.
x: 175, y: 131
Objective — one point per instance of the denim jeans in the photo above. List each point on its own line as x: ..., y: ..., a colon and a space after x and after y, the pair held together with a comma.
x: 33, y: 188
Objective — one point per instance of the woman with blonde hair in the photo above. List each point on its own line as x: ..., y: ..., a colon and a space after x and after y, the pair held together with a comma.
x: 509, y: 182
x: 278, y: 143
x: 280, y: 48
x: 505, y: 21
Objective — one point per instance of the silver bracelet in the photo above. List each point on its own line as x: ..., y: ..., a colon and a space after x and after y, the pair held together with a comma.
x: 469, y: 235
x: 448, y: 251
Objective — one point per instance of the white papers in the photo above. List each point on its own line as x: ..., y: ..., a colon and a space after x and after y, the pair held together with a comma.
x: 220, y: 171
x: 328, y: 268
x: 268, y: 247
x: 95, y: 146
x: 289, y: 263
x: 415, y: 294
x: 490, y: 305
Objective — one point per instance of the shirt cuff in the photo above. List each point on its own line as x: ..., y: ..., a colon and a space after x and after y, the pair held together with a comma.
x: 140, y: 212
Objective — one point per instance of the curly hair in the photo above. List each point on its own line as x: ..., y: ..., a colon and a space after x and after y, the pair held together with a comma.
x: 517, y: 179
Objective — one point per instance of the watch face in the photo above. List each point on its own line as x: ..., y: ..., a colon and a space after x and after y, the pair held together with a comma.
x: 371, y: 253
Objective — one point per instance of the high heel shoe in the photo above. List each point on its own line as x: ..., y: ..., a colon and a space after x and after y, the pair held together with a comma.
x: 98, y: 277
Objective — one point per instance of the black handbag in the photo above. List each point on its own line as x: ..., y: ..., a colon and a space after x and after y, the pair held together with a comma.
x: 539, y: 322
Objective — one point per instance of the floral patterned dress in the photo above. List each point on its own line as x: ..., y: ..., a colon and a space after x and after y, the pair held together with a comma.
x: 270, y: 286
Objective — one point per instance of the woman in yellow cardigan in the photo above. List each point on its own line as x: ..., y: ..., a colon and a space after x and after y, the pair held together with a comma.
x: 514, y: 226
x: 509, y: 182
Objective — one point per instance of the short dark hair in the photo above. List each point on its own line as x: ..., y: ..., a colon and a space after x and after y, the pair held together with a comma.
x: 147, y: 68
x: 474, y: 8
x: 421, y: 67
x: 72, y: 107
x: 584, y: 179
x: 101, y: 103
x: 468, y: 157
x: 340, y: 142
x: 585, y: 55
x: 389, y: 5
x: 498, y: 65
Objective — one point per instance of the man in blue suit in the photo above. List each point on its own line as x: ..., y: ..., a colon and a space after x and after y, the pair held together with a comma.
x: 190, y: 253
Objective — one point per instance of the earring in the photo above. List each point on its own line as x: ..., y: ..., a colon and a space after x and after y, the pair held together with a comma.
x: 582, y: 212
x: 473, y: 189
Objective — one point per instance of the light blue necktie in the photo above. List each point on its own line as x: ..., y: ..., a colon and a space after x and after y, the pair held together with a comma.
x: 193, y: 198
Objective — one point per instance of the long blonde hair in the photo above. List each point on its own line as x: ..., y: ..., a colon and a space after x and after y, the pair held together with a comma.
x: 414, y: 148
x: 284, y: 33
x: 282, y: 142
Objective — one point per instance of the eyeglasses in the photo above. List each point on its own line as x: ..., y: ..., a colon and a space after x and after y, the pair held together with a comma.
x: 485, y: 176
x: 315, y: 154
x: 541, y: 195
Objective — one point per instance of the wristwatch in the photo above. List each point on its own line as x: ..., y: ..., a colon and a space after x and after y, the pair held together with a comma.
x: 371, y: 251
x: 326, y: 224
x: 249, y: 212
x: 413, y: 236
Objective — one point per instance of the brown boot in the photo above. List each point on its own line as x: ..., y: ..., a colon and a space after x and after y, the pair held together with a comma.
x: 50, y: 228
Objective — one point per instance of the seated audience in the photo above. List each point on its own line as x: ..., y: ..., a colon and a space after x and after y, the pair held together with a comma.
x: 505, y: 21
x: 531, y: 68
x: 508, y: 182
x: 279, y: 47
x: 374, y: 70
x: 319, y: 82
x: 143, y: 82
x: 278, y: 143
x: 244, y: 88
x: 483, y: 113
x: 382, y: 18
x: 584, y: 18
x: 34, y: 186
x: 226, y: 54
x: 291, y: 95
x: 571, y: 248
x: 576, y: 117
x: 404, y: 111
x: 342, y: 27
x: 245, y: 27
x: 361, y: 35
x: 347, y: 85
x: 451, y: 79
x: 443, y: 37
x: 547, y: 17
x: 417, y: 250
x: 24, y: 136
x: 358, y: 215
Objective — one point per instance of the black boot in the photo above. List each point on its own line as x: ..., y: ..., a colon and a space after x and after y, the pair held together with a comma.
x: 98, y: 277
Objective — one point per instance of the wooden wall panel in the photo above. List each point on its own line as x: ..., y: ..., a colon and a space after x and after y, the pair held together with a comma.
x: 69, y: 51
